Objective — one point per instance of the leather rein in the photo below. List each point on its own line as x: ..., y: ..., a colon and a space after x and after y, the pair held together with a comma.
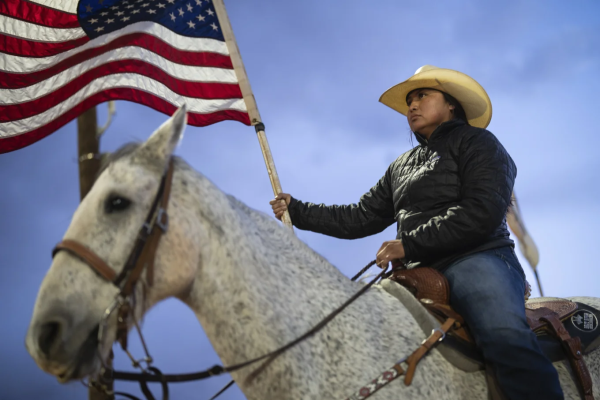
x: 142, y: 257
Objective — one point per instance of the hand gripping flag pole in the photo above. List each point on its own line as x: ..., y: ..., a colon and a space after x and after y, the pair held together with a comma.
x: 248, y: 96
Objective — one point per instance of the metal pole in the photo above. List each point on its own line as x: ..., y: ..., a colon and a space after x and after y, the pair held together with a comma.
x: 89, y: 164
x: 240, y: 71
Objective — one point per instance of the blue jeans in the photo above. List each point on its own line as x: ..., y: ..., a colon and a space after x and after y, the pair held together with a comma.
x: 487, y: 290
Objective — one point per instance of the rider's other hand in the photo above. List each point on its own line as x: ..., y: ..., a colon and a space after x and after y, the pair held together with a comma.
x: 279, y: 204
x: 390, y: 251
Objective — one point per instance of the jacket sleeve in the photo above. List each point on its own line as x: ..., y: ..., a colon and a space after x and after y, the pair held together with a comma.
x: 372, y: 214
x: 487, y: 175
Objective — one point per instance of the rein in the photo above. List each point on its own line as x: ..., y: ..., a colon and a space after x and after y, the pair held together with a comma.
x: 142, y: 258
x: 157, y: 376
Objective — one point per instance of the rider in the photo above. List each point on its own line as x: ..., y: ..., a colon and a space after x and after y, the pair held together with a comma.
x: 449, y: 197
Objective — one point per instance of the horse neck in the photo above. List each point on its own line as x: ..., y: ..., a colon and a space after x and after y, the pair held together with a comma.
x: 258, y: 286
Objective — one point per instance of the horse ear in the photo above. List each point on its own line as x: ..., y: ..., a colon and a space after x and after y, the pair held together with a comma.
x: 161, y: 144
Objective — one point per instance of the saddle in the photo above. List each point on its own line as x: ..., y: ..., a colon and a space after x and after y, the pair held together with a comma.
x: 553, y: 320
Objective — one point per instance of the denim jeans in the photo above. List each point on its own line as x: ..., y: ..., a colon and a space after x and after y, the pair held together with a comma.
x: 487, y: 290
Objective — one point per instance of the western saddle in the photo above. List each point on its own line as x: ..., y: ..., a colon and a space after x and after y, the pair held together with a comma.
x: 431, y: 288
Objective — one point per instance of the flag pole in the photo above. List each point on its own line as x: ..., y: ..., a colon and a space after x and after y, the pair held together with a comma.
x: 250, y: 101
x: 88, y: 144
x: 526, y: 243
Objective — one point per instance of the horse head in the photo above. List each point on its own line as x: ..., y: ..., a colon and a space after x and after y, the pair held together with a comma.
x: 71, y: 306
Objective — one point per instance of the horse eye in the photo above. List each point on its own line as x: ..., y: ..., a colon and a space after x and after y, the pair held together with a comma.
x: 116, y: 203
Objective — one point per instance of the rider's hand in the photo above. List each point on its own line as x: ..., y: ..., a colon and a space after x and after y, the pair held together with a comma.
x: 391, y: 250
x: 279, y: 204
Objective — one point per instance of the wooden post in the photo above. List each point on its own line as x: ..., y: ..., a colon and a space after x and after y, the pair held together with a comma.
x: 89, y: 165
x: 248, y: 96
x: 89, y: 150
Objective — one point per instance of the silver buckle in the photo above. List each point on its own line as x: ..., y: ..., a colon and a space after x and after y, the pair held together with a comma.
x: 159, y: 219
x: 432, y: 332
x: 440, y: 331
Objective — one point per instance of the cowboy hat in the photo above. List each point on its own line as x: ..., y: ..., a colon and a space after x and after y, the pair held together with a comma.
x: 471, y: 96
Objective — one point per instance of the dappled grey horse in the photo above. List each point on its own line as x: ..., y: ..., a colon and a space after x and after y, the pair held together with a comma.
x: 253, y: 285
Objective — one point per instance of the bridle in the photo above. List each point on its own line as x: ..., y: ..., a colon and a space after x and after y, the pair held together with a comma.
x: 142, y: 257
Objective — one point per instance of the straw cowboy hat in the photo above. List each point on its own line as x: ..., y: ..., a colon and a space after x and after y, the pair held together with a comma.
x: 471, y: 96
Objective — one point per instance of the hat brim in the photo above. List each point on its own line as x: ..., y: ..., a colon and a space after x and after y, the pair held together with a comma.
x: 470, y: 94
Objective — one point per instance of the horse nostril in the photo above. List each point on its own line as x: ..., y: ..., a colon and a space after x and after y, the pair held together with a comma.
x: 48, y: 335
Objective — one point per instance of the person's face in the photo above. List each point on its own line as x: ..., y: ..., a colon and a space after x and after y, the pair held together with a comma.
x: 427, y: 109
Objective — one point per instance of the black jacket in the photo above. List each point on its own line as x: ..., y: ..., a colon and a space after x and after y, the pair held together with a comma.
x: 449, y: 197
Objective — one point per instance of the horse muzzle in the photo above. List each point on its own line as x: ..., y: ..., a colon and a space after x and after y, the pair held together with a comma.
x: 62, y: 348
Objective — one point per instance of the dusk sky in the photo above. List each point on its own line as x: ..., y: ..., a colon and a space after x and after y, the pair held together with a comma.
x: 317, y: 69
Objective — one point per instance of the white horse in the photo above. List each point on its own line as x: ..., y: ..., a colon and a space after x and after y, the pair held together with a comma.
x: 253, y: 285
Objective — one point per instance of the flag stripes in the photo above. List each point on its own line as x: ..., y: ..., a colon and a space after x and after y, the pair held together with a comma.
x: 51, y: 71
x: 37, y: 14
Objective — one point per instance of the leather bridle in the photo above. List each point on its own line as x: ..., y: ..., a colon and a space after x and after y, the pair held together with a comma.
x: 141, y: 258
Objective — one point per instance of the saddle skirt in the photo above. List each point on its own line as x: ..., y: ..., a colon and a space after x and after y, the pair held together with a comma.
x: 580, y: 320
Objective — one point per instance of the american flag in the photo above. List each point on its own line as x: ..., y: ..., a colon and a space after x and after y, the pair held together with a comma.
x: 58, y: 58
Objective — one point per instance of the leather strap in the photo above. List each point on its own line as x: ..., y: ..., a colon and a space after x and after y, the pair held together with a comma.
x: 427, y: 344
x: 146, y: 244
x: 444, y: 312
x: 572, y: 348
x: 88, y: 256
x: 410, y: 363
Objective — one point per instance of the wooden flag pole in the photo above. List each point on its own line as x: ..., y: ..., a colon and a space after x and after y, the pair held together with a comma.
x: 89, y: 164
x: 248, y: 96
x: 526, y: 243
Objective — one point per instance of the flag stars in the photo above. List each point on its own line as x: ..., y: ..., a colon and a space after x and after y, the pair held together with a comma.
x: 130, y: 6
x: 114, y: 8
x: 189, y: 7
x: 171, y: 1
x: 191, y: 24
x: 210, y: 12
x: 88, y: 8
x: 135, y: 11
x: 124, y: 19
x: 151, y: 11
x: 119, y: 13
x: 199, y: 2
x: 201, y: 18
x: 99, y: 29
x: 172, y: 15
x: 145, y: 5
x: 104, y: 14
x: 93, y: 21
x: 110, y: 20
x: 160, y: 5
x: 181, y: 12
x: 214, y: 26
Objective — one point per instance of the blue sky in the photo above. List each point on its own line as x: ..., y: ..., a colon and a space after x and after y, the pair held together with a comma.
x: 317, y: 70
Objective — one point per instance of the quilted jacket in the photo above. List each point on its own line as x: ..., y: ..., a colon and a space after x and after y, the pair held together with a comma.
x: 448, y: 196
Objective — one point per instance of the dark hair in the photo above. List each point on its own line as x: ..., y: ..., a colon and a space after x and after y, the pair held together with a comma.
x: 458, y: 111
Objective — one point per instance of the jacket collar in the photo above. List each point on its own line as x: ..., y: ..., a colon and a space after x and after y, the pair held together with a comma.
x: 443, y: 128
